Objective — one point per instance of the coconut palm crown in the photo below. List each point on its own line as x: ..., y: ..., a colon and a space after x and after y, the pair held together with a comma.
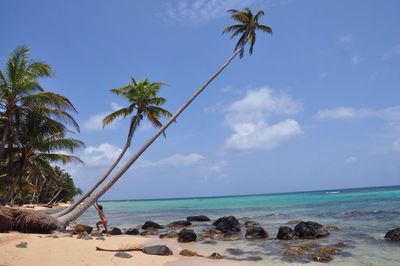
x: 246, y: 28
x: 143, y: 100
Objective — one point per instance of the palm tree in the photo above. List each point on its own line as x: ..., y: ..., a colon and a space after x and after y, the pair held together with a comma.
x: 143, y: 102
x: 21, y: 99
x: 250, y: 26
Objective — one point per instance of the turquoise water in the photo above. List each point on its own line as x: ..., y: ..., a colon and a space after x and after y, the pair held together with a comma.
x: 362, y: 216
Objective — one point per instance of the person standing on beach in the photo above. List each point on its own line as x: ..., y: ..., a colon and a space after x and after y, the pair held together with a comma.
x: 103, y: 218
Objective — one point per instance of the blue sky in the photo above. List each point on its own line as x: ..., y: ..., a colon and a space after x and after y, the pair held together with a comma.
x: 315, y: 107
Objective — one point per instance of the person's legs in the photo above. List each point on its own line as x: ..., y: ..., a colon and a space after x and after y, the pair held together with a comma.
x: 97, y: 225
x: 105, y: 226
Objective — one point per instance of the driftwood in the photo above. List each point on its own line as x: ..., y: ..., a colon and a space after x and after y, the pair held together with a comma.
x: 123, y: 249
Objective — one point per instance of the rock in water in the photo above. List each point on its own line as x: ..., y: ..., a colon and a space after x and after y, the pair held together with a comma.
x: 187, y: 235
x: 320, y: 256
x: 132, y: 231
x: 179, y: 224
x: 123, y: 255
x: 286, y: 233
x: 227, y: 224
x: 160, y: 250
x: 251, y: 224
x: 215, y: 256
x: 80, y: 228
x: 172, y: 234
x: 151, y: 225
x: 310, y: 230
x: 393, y: 234
x: 256, y: 232
x: 198, y: 218
x: 114, y: 231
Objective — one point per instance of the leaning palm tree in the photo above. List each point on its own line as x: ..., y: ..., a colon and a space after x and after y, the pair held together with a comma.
x: 144, y: 102
x: 248, y: 27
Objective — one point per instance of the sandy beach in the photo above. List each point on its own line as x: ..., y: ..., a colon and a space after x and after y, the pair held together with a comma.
x: 65, y: 251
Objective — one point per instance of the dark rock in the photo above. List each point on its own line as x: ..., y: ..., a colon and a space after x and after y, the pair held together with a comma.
x: 294, y: 221
x: 209, y: 242
x: 256, y: 232
x: 215, y: 256
x: 286, y: 233
x: 160, y: 250
x: 250, y: 224
x: 114, y: 231
x: 310, y: 230
x: 123, y: 255
x: 132, y: 231
x: 227, y: 224
x: 231, y: 236
x: 320, y: 257
x: 198, y: 218
x: 172, y: 234
x: 151, y: 225
x: 6, y: 220
x: 187, y: 235
x: 22, y: 245
x: 150, y: 232
x: 189, y: 253
x: 179, y: 224
x: 80, y: 228
x: 393, y: 234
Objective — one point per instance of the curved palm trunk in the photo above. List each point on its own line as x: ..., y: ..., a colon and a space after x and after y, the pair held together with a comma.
x: 104, y: 177
x: 78, y: 211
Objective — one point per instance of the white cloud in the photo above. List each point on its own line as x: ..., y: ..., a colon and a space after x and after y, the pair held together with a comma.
x: 388, y: 114
x: 351, y: 159
x: 396, y: 145
x: 95, y: 122
x: 248, y: 119
x: 355, y: 60
x: 199, y: 11
x: 392, y: 52
x: 347, y: 38
x: 176, y: 160
x: 100, y: 156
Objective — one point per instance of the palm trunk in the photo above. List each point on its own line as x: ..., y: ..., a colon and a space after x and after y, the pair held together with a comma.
x: 104, y: 177
x: 3, y: 140
x: 78, y: 211
x: 54, y: 198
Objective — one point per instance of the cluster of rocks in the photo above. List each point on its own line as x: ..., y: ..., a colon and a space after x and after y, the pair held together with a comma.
x: 313, y: 252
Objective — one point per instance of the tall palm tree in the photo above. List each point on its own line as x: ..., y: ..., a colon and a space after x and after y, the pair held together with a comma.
x: 144, y: 102
x: 251, y: 26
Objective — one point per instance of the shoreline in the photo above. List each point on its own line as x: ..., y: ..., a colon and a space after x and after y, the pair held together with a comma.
x: 41, y: 207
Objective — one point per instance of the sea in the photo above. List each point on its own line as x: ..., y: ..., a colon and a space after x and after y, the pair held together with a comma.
x: 359, y: 218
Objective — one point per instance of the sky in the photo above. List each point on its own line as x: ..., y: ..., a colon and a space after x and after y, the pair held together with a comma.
x: 317, y: 105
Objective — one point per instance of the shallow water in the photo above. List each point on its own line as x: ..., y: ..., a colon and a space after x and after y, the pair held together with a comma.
x: 362, y: 216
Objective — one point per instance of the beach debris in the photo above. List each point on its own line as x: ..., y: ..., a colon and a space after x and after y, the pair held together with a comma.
x: 215, y: 256
x: 256, y: 232
x: 123, y: 255
x: 85, y: 236
x: 22, y: 245
x: 172, y: 234
x: 114, y: 231
x: 132, y: 231
x: 80, y: 228
x: 286, y: 233
x: 320, y: 256
x: 100, y: 238
x: 189, y: 253
x: 251, y: 224
x: 187, y: 235
x: 198, y: 218
x: 179, y: 224
x: 124, y: 248
x: 151, y: 225
x: 310, y: 230
x: 294, y: 222
x: 393, y: 235
x: 227, y: 224
x: 160, y: 250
